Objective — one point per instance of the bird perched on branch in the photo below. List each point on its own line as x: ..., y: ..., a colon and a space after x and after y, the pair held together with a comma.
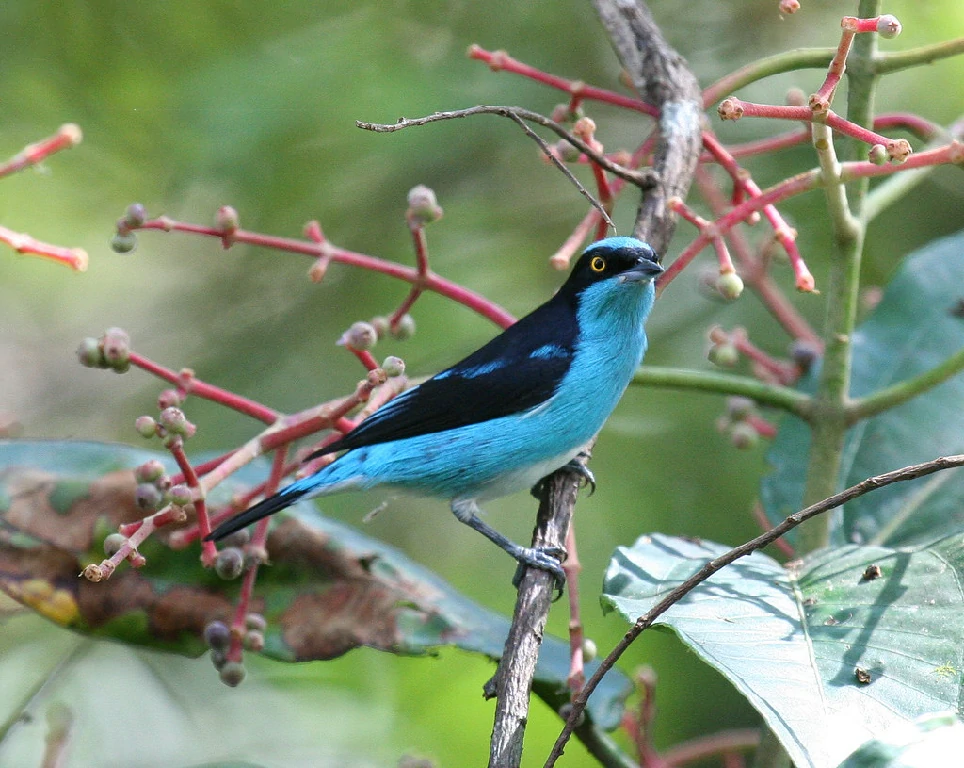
x: 510, y: 413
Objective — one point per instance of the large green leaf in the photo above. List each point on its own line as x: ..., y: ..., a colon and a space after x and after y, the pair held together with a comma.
x: 329, y: 589
x: 125, y: 706
x: 829, y: 657
x: 935, y: 741
x: 917, y: 325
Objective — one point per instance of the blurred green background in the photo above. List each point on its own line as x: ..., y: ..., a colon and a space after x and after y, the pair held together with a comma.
x: 189, y: 106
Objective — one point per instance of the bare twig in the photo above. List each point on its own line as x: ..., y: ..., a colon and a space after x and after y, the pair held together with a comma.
x: 642, y: 179
x: 647, y: 620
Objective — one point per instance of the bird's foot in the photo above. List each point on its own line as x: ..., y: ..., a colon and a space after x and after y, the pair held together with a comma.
x: 575, y: 467
x: 545, y: 559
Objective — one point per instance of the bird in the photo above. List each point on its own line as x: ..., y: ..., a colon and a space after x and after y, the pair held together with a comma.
x: 508, y: 415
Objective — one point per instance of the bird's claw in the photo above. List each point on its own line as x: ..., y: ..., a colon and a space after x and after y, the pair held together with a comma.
x: 584, y: 473
x: 545, y: 559
x: 575, y: 467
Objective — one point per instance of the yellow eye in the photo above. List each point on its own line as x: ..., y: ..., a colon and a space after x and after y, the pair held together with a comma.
x: 598, y: 264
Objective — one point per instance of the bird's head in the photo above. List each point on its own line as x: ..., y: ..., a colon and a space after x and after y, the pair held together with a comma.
x: 623, y: 261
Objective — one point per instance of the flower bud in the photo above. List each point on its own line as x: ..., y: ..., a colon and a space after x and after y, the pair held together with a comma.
x: 145, y: 426
x: 116, y: 344
x: 423, y: 207
x: 360, y: 337
x: 169, y: 398
x: 173, y: 420
x: 393, y: 366
x: 150, y: 471
x: 878, y: 155
x: 135, y: 215
x: 404, y: 328
x: 180, y: 495
x: 90, y: 354
x: 739, y: 408
x: 888, y: 26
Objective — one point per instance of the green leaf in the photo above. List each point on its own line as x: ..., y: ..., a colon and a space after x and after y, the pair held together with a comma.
x: 935, y: 741
x: 829, y: 657
x: 125, y: 706
x: 915, y: 327
x: 329, y: 589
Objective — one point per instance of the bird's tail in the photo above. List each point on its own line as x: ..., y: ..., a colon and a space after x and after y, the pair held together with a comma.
x: 284, y: 498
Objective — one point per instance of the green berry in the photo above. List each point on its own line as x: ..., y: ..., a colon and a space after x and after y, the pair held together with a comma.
x: 729, y: 285
x: 233, y: 673
x: 724, y: 355
x: 393, y: 366
x: 404, y: 328
x: 145, y: 426
x: 230, y: 563
x: 90, y: 354
x: 123, y: 242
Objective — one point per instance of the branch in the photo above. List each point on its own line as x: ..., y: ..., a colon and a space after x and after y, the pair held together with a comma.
x: 512, y: 682
x: 889, y: 397
x: 647, y: 620
x: 894, y: 62
x: 662, y: 78
x: 641, y: 179
x: 785, y: 398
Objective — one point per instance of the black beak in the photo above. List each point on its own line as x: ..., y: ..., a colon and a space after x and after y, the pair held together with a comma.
x: 646, y: 269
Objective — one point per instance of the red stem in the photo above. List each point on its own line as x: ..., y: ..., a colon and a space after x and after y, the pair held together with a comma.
x: 499, y: 61
x: 67, y: 136
x: 577, y: 635
x: 209, y: 551
x: 474, y: 301
x: 75, y: 258
x: 194, y: 386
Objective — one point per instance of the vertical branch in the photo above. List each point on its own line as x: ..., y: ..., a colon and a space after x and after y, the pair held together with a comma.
x: 829, y: 430
x: 662, y: 78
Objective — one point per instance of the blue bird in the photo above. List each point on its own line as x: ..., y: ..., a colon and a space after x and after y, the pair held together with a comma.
x: 510, y: 413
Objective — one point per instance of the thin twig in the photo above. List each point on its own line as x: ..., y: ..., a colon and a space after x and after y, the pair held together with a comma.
x: 647, y: 620
x: 642, y: 179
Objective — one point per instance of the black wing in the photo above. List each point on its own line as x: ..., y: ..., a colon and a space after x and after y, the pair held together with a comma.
x: 515, y: 371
